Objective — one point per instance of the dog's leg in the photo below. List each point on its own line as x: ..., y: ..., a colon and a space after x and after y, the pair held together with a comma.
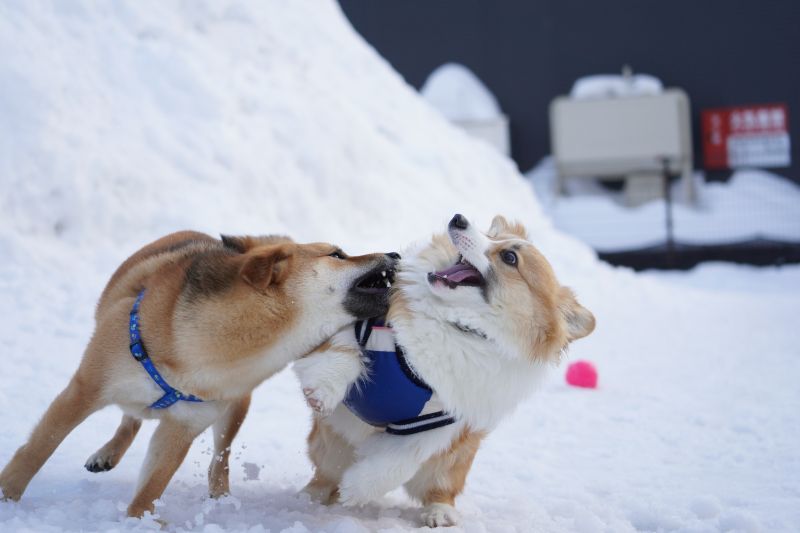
x: 330, y: 455
x: 78, y: 400
x: 168, y: 448
x: 225, y: 430
x: 111, y: 453
x: 442, y: 478
x: 387, y: 461
x: 327, y: 373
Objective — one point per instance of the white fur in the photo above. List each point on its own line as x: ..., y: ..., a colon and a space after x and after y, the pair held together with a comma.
x: 384, y: 462
x: 440, y: 515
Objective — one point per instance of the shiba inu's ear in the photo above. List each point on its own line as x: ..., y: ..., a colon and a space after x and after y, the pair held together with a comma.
x: 501, y: 225
x: 238, y: 244
x: 243, y: 244
x: 267, y: 267
x: 580, y: 321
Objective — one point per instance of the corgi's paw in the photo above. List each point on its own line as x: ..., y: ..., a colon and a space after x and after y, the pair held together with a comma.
x: 353, y: 494
x: 12, y: 483
x: 323, y: 400
x: 440, y: 515
x: 324, y: 493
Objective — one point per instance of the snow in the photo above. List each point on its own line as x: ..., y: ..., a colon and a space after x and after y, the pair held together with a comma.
x: 456, y: 92
x: 600, y: 86
x: 752, y: 204
x: 120, y: 122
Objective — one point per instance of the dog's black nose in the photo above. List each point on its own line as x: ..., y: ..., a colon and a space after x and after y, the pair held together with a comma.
x: 459, y: 221
x: 393, y: 255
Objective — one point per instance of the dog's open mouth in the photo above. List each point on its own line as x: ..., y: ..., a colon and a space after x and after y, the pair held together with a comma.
x: 462, y: 274
x: 375, y: 282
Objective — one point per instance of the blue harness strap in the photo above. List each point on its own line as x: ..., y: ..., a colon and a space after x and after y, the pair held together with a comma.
x: 139, y: 353
x: 391, y: 395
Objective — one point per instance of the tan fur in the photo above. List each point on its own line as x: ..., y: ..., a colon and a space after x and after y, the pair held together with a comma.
x: 225, y: 430
x: 443, y: 476
x: 168, y: 448
x: 330, y: 455
x: 559, y: 318
x: 109, y: 455
x: 218, y: 318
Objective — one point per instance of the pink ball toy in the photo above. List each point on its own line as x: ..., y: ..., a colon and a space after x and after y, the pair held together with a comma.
x: 582, y: 374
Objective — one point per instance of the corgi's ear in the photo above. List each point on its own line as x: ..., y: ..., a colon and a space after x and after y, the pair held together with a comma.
x: 579, y: 320
x: 267, y: 267
x: 238, y: 244
x: 500, y: 226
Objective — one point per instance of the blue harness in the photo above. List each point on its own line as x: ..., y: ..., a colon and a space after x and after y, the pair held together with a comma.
x: 139, y: 353
x: 390, y: 394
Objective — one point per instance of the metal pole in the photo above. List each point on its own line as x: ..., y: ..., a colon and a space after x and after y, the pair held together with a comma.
x: 668, y: 204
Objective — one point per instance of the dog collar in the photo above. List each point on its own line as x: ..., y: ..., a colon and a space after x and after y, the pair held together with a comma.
x: 138, y: 351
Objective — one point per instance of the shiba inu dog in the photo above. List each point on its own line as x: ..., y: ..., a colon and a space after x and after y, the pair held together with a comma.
x: 475, y: 320
x: 208, y: 320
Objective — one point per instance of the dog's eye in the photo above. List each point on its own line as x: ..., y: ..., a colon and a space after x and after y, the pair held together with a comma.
x: 338, y: 254
x: 508, y: 257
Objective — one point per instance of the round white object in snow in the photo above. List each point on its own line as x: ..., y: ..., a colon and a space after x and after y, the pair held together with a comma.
x: 615, y: 85
x: 460, y: 95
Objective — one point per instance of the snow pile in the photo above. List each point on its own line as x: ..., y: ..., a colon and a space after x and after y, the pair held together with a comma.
x: 146, y: 118
x: 460, y: 95
x: 123, y: 121
x: 753, y: 204
x: 601, y: 86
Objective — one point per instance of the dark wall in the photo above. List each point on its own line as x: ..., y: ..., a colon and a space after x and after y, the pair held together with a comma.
x: 722, y: 52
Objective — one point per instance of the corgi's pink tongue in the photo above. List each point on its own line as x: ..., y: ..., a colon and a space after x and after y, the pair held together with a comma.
x: 459, y: 273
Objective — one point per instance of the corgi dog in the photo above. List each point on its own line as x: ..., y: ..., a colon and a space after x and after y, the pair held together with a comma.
x: 474, y: 322
x: 185, y: 329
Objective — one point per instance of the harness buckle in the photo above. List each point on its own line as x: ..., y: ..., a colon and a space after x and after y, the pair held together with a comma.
x: 138, y: 352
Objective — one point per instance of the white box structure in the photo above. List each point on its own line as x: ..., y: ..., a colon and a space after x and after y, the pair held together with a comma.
x: 623, y: 136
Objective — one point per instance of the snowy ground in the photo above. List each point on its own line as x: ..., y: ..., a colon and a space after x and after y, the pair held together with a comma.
x: 752, y: 204
x: 694, y: 428
x: 124, y: 121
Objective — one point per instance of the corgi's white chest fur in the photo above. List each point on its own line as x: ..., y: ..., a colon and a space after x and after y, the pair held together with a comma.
x: 473, y: 378
x: 480, y: 380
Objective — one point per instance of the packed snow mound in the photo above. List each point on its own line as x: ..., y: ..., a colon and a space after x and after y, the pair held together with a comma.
x: 460, y: 95
x: 614, y: 86
x: 149, y: 117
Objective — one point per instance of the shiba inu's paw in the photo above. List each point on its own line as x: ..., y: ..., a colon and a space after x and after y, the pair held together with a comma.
x: 218, y: 484
x: 9, y: 495
x: 10, y: 491
x: 100, y: 461
x: 146, y: 514
x: 440, y: 515
x: 323, y: 400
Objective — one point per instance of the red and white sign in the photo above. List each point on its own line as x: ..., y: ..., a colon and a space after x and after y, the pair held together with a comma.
x: 748, y: 136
